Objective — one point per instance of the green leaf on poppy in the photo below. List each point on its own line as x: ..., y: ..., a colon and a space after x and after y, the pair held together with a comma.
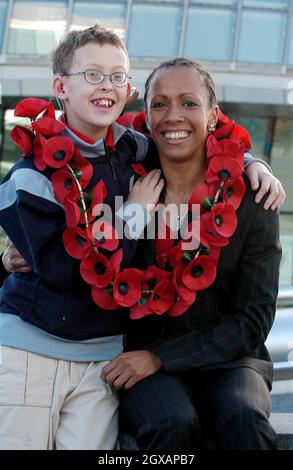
x: 208, y: 203
x: 187, y: 257
x: 142, y: 301
x: 109, y: 289
x: 77, y: 173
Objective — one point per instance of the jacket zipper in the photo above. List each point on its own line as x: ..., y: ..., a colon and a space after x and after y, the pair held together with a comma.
x: 113, y: 169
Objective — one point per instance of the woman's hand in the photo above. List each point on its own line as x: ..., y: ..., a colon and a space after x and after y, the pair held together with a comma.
x: 146, y: 191
x: 130, y: 367
x: 263, y: 180
x: 12, y: 259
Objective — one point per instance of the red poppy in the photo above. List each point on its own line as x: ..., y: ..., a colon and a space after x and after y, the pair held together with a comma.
x: 226, y: 148
x: 39, y: 143
x: 199, y: 274
x: 48, y: 126
x: 224, y: 220
x: 103, y: 235
x: 22, y: 137
x: 127, y: 287
x: 242, y: 134
x: 201, y: 193
x: 30, y: 107
x: 96, y: 270
x: 103, y: 298
x: 72, y: 211
x: 138, y: 169
x: 126, y: 120
x: 221, y: 169
x: 82, y: 168
x: 162, y: 297
x: 139, y: 123
x: 153, y: 272
x: 116, y: 259
x: 50, y: 111
x: 140, y: 310
x: 182, y: 292
x: 224, y: 130
x: 76, y: 242
x: 180, y: 306
x: 208, y: 236
x: 233, y: 192
x: 99, y: 194
x: 58, y: 151
x: 64, y: 185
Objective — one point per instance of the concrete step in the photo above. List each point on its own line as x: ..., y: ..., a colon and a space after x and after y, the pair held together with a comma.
x: 283, y: 425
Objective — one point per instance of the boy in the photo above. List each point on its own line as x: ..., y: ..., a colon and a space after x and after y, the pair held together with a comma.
x: 55, y: 339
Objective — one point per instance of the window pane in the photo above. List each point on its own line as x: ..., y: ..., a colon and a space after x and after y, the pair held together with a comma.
x: 3, y: 11
x: 266, y: 3
x: 290, y: 58
x: 282, y: 158
x: 260, y: 131
x: 154, y: 30
x: 261, y: 37
x: 216, y: 2
x: 210, y: 33
x: 36, y: 27
x: 112, y: 15
x: 10, y: 152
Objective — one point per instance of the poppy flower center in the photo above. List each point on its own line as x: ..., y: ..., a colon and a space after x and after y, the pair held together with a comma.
x: 229, y: 192
x: 59, y: 155
x: 223, y: 174
x: 123, y: 288
x: 100, y: 268
x: 196, y: 271
x: 156, y: 297
x: 68, y: 183
x: 219, y: 220
x: 80, y: 240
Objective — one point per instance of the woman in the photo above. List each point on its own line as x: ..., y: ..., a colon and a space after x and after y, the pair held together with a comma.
x: 196, y: 364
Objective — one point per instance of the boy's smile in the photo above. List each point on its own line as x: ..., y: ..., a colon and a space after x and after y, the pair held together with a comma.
x: 91, y: 109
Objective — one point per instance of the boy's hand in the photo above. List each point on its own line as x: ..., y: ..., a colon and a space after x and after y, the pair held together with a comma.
x: 261, y: 179
x: 12, y: 259
x: 130, y: 367
x: 146, y: 191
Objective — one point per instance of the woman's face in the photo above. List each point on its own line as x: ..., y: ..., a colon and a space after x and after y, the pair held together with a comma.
x: 179, y: 113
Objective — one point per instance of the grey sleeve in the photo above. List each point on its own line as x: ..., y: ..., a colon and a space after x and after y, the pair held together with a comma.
x: 249, y: 158
x: 142, y: 145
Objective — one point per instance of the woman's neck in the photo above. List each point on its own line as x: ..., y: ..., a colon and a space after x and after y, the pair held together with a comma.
x: 182, y: 177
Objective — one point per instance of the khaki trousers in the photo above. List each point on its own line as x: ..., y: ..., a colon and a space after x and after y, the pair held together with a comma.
x: 53, y: 404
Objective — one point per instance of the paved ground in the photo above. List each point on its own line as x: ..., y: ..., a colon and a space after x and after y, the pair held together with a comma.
x: 282, y: 396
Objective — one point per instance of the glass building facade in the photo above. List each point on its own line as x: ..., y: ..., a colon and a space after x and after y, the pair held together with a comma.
x: 247, y: 44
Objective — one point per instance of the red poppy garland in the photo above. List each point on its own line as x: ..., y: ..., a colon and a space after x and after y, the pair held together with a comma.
x: 171, y: 286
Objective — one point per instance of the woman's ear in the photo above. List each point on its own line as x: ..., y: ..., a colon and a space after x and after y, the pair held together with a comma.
x: 213, y: 118
x: 147, y: 122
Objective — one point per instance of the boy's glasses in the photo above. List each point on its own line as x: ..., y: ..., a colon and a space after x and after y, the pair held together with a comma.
x: 96, y: 76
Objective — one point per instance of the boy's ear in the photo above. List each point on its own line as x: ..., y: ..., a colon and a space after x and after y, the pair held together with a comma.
x: 58, y: 87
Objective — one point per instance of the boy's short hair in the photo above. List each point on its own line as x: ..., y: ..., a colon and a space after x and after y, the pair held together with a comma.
x: 62, y: 56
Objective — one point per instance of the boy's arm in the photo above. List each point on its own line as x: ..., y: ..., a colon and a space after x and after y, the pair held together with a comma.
x: 260, y: 176
x: 34, y: 222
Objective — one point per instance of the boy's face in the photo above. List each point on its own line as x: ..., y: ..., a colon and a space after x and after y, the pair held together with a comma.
x: 91, y: 109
